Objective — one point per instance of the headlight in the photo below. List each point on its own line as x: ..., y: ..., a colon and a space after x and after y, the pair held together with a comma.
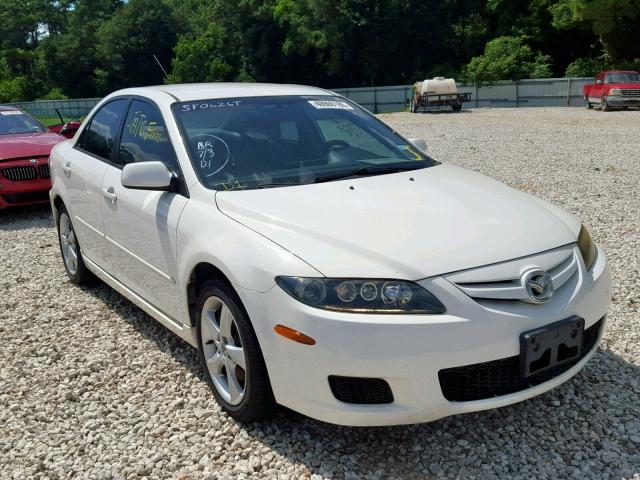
x: 587, y: 248
x: 615, y: 91
x: 361, y: 295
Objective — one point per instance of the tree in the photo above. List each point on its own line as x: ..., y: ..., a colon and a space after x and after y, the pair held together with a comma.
x: 507, y: 58
x: 70, y: 58
x: 128, y: 41
x: 202, y: 57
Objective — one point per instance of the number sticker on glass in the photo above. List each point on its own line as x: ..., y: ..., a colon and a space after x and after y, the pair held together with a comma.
x: 320, y: 104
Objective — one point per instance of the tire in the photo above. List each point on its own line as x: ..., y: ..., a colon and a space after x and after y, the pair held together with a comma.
x: 587, y: 104
x: 604, y: 105
x: 71, y: 251
x: 227, y: 342
x: 414, y: 106
x: 456, y: 107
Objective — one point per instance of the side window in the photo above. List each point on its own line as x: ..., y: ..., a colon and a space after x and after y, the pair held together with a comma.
x: 144, y: 138
x: 102, y: 130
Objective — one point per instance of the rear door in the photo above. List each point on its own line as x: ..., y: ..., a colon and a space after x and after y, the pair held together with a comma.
x: 140, y: 225
x: 83, y: 170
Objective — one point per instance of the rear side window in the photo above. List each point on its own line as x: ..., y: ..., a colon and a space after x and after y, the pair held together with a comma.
x: 144, y: 137
x: 101, y: 132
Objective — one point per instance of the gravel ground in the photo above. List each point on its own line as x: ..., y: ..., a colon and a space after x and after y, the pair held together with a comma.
x: 91, y: 387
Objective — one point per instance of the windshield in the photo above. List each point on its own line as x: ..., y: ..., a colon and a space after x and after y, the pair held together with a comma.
x: 15, y: 121
x: 261, y: 142
x: 623, y: 77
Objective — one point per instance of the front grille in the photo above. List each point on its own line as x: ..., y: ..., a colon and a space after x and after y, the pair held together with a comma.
x: 26, y: 197
x: 43, y: 171
x: 631, y: 92
x: 19, y: 174
x: 361, y: 391
x: 502, y: 377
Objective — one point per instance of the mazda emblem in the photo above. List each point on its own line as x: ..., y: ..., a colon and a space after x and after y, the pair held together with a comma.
x: 538, y: 284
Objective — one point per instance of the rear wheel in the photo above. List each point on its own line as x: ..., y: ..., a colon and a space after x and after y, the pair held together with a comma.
x: 230, y: 354
x: 70, y: 249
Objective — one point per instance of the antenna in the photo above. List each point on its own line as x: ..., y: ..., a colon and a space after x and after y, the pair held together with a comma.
x: 161, y: 68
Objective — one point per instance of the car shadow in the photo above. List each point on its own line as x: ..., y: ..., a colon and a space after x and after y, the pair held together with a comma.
x: 563, y: 427
x: 22, y: 218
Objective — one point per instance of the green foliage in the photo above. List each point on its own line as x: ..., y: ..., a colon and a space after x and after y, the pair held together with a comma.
x: 128, y: 41
x: 202, y: 57
x: 584, y: 67
x: 54, y: 94
x: 80, y: 48
x: 507, y: 58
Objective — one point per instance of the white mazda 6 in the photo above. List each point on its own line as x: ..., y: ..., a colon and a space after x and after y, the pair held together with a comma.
x: 319, y: 260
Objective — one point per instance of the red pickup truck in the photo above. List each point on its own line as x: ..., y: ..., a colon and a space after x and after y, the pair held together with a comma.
x: 613, y: 88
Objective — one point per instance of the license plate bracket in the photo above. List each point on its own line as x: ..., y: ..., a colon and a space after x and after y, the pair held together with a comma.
x: 550, y: 346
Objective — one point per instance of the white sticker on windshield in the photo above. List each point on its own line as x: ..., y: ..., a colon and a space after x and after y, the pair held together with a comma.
x: 11, y: 112
x: 330, y: 104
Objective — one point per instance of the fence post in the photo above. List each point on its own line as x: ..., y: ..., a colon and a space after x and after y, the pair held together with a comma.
x: 375, y: 100
x: 517, y: 94
x: 569, y: 91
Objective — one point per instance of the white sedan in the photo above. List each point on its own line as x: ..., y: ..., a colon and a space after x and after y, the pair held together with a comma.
x: 319, y: 260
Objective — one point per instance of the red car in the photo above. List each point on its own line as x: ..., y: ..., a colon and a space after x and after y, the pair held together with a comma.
x: 25, y: 145
x: 613, y: 88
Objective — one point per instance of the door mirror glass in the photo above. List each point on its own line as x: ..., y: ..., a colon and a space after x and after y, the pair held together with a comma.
x: 419, y: 143
x: 69, y: 129
x: 148, y: 176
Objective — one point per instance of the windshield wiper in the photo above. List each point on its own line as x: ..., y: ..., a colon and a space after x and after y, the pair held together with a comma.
x: 365, y: 171
x: 273, y: 185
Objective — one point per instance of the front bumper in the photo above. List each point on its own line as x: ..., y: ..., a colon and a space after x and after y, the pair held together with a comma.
x: 408, y: 351
x: 623, y: 101
x: 16, y: 192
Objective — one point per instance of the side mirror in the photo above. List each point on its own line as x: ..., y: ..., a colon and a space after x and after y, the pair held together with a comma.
x: 148, y: 176
x: 69, y: 129
x: 598, y: 82
x: 419, y: 143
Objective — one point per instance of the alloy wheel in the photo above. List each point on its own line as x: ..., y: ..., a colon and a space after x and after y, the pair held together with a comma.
x: 69, y: 244
x: 223, y: 350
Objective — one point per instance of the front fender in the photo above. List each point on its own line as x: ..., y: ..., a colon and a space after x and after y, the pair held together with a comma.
x: 249, y: 260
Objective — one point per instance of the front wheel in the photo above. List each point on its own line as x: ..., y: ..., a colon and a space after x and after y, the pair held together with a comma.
x: 230, y: 354
x: 605, y: 105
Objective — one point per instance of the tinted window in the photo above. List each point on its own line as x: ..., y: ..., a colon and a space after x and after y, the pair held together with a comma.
x: 102, y: 131
x: 257, y: 142
x: 144, y: 138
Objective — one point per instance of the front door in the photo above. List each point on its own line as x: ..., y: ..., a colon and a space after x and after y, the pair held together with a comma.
x: 83, y: 172
x: 141, y: 226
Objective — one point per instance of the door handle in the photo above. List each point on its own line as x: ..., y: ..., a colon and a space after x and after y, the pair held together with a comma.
x: 66, y: 168
x: 109, y: 194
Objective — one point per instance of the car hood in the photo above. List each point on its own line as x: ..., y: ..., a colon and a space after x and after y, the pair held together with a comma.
x: 408, y: 225
x: 27, y: 144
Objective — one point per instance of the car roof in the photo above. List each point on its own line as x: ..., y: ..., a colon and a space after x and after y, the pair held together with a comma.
x: 203, y: 91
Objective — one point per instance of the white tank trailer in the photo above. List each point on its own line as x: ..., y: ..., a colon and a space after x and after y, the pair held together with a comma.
x: 437, y: 92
